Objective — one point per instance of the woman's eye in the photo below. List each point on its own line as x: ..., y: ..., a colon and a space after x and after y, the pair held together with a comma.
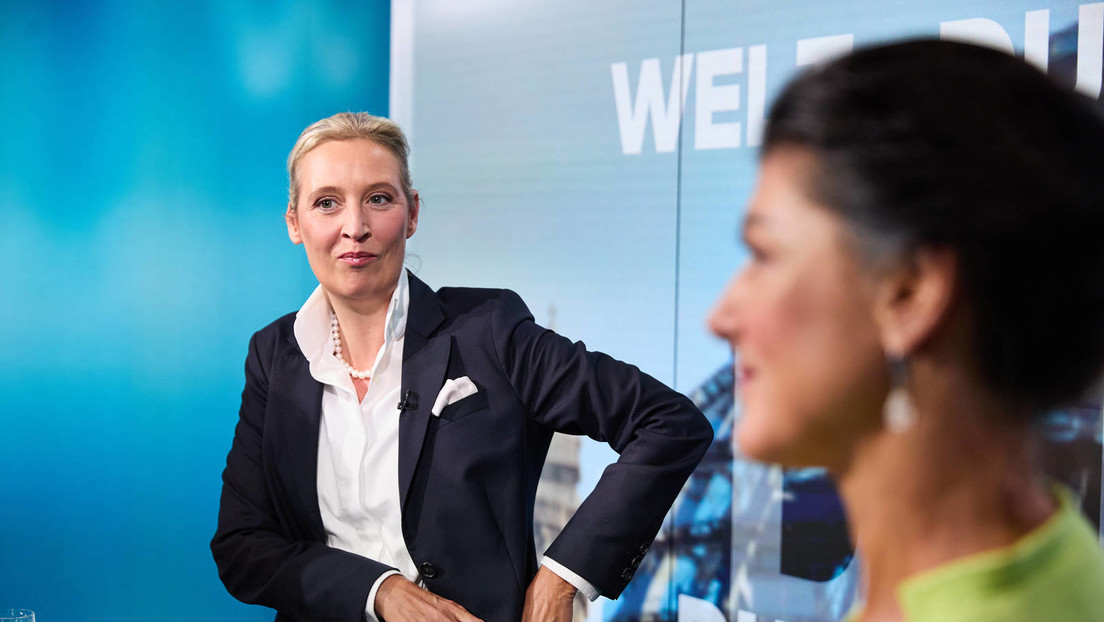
x: 379, y: 199
x: 325, y: 204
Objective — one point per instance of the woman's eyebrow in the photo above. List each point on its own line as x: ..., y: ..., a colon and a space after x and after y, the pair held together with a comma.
x: 382, y: 184
x: 324, y: 190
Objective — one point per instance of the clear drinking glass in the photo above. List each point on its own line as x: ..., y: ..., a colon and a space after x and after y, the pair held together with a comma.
x: 16, y: 615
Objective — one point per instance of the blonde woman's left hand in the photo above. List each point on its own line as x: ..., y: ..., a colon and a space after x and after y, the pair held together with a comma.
x: 548, y: 599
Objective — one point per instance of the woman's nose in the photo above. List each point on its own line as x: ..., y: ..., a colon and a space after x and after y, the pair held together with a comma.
x: 724, y: 317
x: 356, y: 225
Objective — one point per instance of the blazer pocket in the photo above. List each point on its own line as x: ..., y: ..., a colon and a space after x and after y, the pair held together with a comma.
x: 462, y: 408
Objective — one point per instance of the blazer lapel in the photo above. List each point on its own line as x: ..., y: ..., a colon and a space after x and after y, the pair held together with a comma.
x: 299, y: 404
x: 425, y: 361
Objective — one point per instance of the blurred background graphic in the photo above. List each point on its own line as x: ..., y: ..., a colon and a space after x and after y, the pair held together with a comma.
x: 142, y: 191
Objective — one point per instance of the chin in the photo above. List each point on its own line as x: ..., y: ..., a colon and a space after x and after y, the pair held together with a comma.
x: 359, y: 285
x: 752, y: 441
x: 759, y: 441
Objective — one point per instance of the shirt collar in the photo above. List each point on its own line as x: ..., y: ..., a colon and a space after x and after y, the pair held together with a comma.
x: 312, y: 330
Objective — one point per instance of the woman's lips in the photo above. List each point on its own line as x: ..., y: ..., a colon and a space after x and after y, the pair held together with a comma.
x: 356, y: 259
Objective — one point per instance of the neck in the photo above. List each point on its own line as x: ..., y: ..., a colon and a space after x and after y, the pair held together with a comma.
x: 961, y: 481
x: 362, y: 328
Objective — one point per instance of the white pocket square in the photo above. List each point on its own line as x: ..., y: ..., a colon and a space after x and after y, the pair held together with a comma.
x: 453, y: 391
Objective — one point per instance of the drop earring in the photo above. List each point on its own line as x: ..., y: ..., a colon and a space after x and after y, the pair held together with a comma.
x: 898, y: 412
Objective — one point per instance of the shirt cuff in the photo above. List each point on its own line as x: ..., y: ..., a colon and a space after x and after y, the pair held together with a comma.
x: 370, y: 606
x: 581, y: 584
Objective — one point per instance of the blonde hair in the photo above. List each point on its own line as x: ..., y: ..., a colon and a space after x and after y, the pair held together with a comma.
x: 350, y: 126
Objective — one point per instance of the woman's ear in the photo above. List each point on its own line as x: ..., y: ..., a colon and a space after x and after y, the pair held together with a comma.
x: 292, y: 220
x: 412, y: 220
x: 914, y: 299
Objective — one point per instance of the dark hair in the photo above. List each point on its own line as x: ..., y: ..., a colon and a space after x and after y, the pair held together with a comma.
x: 941, y: 144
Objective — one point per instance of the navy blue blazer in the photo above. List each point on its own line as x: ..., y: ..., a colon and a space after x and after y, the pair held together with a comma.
x: 467, y: 478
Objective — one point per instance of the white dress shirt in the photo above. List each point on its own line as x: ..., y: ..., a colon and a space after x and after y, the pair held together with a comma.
x: 358, y: 445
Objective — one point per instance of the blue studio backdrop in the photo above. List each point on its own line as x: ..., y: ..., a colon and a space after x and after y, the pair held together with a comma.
x: 604, y: 150
x: 142, y: 188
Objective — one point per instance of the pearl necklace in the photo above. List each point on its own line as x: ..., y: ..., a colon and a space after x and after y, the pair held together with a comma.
x: 335, y: 332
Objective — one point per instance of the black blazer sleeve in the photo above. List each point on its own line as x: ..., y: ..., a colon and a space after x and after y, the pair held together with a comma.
x: 259, y: 559
x: 659, y: 433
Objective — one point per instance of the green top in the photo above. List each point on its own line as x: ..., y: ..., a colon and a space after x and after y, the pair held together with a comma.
x: 1056, y: 572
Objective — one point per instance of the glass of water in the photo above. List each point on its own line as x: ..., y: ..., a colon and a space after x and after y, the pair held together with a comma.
x: 16, y: 615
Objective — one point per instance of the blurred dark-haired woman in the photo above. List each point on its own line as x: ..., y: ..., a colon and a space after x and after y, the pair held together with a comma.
x: 927, y: 276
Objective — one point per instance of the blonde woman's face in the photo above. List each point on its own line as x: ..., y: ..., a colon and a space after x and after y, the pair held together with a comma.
x: 352, y: 218
x: 810, y: 370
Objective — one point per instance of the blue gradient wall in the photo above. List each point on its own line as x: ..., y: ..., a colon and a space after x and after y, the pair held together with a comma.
x: 141, y: 196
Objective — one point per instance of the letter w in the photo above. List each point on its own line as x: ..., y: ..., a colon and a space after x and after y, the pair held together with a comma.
x: 632, y: 116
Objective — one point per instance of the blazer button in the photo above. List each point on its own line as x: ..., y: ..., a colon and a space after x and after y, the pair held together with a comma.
x: 644, y: 548
x: 428, y: 570
x: 626, y: 574
x: 635, y: 563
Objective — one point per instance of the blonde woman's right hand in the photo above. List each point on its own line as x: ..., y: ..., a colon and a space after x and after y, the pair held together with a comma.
x: 400, y: 600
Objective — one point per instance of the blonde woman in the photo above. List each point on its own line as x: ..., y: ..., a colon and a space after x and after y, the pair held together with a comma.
x: 391, y: 437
